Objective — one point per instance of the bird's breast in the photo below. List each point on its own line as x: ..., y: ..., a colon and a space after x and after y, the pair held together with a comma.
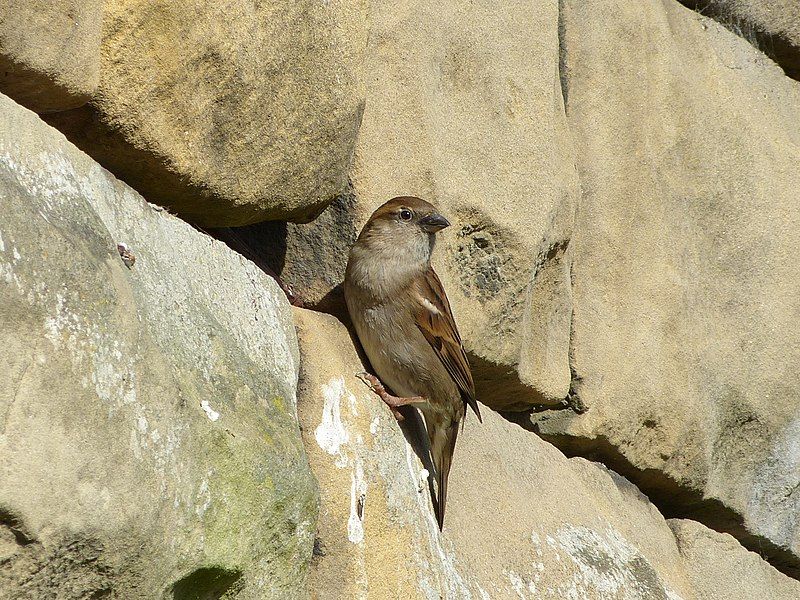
x: 401, y: 356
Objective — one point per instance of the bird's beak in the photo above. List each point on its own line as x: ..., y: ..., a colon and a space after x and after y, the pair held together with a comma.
x: 433, y: 222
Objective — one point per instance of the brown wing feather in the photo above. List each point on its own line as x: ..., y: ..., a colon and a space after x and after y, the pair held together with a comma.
x: 439, y: 328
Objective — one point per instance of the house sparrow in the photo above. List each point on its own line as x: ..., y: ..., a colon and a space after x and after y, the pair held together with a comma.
x: 404, y: 322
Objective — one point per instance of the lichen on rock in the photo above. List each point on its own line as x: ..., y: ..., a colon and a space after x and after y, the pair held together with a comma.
x: 114, y: 480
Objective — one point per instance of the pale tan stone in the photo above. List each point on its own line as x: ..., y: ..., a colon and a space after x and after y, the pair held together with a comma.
x: 685, y: 279
x: 228, y: 112
x: 720, y: 569
x: 772, y: 25
x: 50, y: 52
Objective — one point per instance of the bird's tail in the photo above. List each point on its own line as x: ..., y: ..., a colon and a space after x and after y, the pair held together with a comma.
x: 443, y: 443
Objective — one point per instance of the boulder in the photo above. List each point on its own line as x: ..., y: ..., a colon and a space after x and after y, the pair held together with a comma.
x: 50, y: 52
x: 148, y: 427
x: 229, y: 113
x: 772, y: 25
x: 685, y: 290
x: 720, y: 569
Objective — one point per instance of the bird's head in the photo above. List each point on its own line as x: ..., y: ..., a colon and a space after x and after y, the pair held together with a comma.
x: 405, y: 227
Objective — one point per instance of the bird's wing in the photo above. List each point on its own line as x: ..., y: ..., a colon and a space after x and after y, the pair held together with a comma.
x: 435, y: 320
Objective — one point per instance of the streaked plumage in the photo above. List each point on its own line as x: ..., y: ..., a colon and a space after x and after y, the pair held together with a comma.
x: 405, y: 324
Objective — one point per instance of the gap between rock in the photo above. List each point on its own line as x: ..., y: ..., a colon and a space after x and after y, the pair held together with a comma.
x: 777, y: 47
x: 667, y: 495
x: 672, y: 500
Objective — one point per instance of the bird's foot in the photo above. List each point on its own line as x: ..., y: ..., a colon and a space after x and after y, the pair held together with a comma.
x: 393, y: 402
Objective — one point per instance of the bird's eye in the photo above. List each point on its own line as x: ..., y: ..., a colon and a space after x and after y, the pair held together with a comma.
x: 405, y: 214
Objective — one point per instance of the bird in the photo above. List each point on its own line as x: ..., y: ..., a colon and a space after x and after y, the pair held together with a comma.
x: 403, y: 319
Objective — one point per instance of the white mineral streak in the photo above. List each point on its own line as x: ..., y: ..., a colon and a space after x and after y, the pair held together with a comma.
x: 358, y: 498
x: 331, y: 434
x: 210, y: 412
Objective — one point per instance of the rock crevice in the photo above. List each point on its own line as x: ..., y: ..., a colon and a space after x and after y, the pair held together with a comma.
x: 772, y: 26
x: 622, y: 182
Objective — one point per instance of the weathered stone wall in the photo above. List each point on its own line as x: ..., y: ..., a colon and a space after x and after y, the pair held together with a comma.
x: 622, y: 182
x: 650, y: 296
x: 148, y: 442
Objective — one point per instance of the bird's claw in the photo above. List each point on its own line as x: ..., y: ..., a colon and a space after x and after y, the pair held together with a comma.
x: 375, y: 385
x: 370, y: 381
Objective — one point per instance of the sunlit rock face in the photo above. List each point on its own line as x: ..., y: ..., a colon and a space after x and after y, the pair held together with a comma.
x: 147, y: 406
x: 622, y: 264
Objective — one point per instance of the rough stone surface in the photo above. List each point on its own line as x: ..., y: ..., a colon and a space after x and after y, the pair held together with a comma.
x: 622, y: 182
x: 229, y: 113
x: 148, y: 427
x: 685, y: 292
x: 50, y: 52
x: 772, y: 25
x: 523, y: 521
x: 308, y: 258
x: 720, y: 569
